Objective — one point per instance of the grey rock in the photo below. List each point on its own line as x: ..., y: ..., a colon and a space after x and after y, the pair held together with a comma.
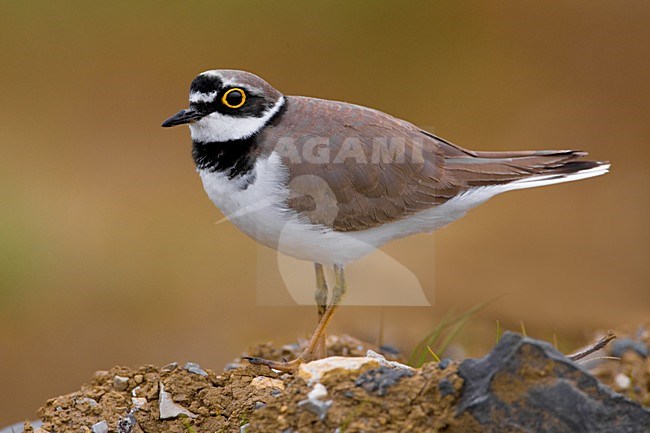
x: 444, y: 363
x: 168, y: 408
x: 120, y: 383
x: 193, y: 367
x: 379, y: 380
x: 100, y: 427
x: 525, y: 385
x: 620, y: 346
x: 169, y: 367
x: 384, y: 362
x: 315, y: 401
x: 446, y: 387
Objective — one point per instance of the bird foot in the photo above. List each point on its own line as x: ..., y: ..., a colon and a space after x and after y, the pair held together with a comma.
x: 315, y: 350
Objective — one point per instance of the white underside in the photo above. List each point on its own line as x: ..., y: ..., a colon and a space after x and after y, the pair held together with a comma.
x: 257, y: 212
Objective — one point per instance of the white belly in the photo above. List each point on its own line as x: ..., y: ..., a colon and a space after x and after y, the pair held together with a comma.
x: 258, y: 211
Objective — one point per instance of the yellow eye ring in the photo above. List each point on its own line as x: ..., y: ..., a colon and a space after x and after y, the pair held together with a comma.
x: 224, y: 98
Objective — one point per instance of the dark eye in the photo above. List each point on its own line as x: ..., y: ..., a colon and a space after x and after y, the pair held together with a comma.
x: 234, y: 98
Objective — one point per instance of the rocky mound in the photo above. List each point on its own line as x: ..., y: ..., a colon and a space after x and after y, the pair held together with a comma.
x: 523, y: 385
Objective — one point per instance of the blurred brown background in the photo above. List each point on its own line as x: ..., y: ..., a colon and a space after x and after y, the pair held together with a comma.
x: 108, y: 251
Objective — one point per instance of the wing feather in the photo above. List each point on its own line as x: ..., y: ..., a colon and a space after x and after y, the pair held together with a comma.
x: 368, y: 188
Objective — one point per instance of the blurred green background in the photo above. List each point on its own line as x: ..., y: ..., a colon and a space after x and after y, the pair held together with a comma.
x: 108, y: 251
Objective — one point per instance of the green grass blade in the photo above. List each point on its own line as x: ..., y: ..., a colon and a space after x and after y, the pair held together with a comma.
x: 423, y: 348
x: 419, y: 354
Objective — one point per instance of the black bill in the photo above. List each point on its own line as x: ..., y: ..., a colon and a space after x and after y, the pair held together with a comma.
x: 182, y: 117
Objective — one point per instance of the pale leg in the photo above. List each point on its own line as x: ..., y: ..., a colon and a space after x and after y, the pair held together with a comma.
x: 309, y: 353
x: 321, y: 303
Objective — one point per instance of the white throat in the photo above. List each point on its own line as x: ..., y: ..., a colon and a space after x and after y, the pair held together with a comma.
x: 221, y: 127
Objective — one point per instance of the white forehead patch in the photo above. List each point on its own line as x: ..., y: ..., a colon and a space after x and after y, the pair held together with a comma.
x: 217, y: 127
x: 202, y: 97
x: 211, y: 73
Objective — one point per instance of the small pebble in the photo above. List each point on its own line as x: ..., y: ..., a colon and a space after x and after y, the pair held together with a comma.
x: 383, y: 361
x: 259, y: 405
x: 169, y: 367
x: 380, y: 380
x: 444, y: 363
x: 315, y: 401
x: 244, y: 428
x: 138, y: 402
x: 167, y: 408
x: 193, y: 367
x: 622, y: 381
x: 446, y: 387
x: 120, y: 383
x: 100, y: 427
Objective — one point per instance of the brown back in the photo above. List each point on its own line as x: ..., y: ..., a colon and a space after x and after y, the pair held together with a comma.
x: 354, y: 168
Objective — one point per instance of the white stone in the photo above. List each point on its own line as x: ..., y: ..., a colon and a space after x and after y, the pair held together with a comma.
x: 319, y: 392
x: 195, y: 368
x: 622, y: 381
x: 312, y: 372
x: 138, y: 402
x: 383, y: 361
x: 100, y: 427
x: 168, y: 408
x: 316, y: 402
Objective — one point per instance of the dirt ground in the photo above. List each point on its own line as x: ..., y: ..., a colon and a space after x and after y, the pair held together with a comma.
x: 350, y: 394
x: 129, y: 400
